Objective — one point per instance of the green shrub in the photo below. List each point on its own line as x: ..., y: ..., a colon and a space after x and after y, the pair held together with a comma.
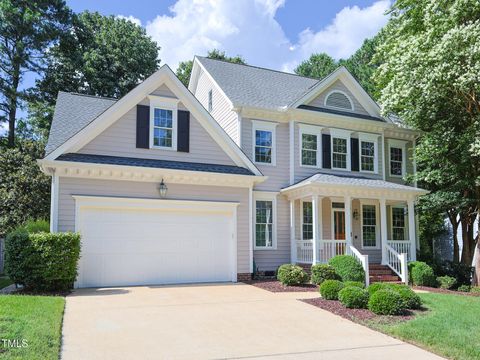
x: 353, y: 297
x: 290, y: 274
x: 446, y: 282
x: 464, y: 288
x: 42, y: 261
x: 359, y: 284
x: 422, y: 275
x: 36, y: 226
x: 322, y: 272
x: 373, y: 288
x: 475, y: 289
x: 348, y: 268
x: 330, y: 289
x: 386, y: 302
x: 410, y: 299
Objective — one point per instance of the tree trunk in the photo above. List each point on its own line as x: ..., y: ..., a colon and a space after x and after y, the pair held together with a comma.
x: 466, y: 244
x: 13, y: 101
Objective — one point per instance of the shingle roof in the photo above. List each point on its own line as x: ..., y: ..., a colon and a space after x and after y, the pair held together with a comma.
x: 357, y: 181
x: 253, y: 86
x: 158, y: 164
x: 340, y: 112
x: 72, y: 113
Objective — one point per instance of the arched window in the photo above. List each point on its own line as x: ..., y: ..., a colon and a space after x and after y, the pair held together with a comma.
x: 340, y: 100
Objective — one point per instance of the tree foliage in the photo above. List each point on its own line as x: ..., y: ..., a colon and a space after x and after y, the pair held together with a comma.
x: 184, y: 69
x: 317, y: 66
x: 100, y: 55
x: 27, y: 29
x: 430, y: 77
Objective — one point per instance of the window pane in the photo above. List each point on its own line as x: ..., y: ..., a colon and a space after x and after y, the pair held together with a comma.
x: 163, y: 118
x: 264, y: 224
x: 339, y: 155
x: 367, y: 157
x: 369, y: 220
x: 396, y: 161
x: 263, y: 154
x: 260, y: 235
x: 340, y: 145
x: 263, y: 138
x: 162, y: 137
x: 309, y: 141
x: 309, y: 157
x: 339, y: 161
x: 398, y: 224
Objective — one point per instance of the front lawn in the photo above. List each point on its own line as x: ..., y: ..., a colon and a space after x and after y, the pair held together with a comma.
x: 450, y: 328
x: 35, y: 320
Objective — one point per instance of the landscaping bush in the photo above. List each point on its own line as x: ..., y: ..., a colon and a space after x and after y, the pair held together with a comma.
x: 410, y: 299
x: 475, y: 289
x: 461, y: 272
x: 322, y: 272
x: 386, y: 302
x: 290, y: 274
x: 373, y: 288
x: 330, y: 289
x: 42, y: 261
x: 348, y: 268
x: 354, y: 297
x: 464, y: 288
x: 446, y: 282
x: 359, y: 284
x: 36, y: 226
x: 422, y: 274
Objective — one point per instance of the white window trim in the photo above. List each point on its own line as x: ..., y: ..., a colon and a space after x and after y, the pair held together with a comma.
x: 301, y: 218
x: 336, y: 107
x: 405, y: 222
x: 401, y: 145
x: 332, y: 216
x: 265, y: 126
x: 265, y: 196
x: 341, y: 134
x: 310, y: 130
x: 164, y: 103
x: 368, y: 138
x: 377, y: 220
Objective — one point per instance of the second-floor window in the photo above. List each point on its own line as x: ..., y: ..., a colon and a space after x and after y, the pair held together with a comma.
x: 339, y: 153
x: 309, y: 149
x: 162, y: 128
x: 367, y: 156
x: 396, y: 157
x: 264, y: 142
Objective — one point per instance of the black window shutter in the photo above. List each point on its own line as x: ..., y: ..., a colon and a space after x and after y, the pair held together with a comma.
x: 355, y: 166
x: 143, y: 124
x: 327, y: 163
x: 183, y: 134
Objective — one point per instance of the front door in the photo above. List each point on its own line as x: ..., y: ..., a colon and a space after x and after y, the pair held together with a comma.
x: 338, y: 224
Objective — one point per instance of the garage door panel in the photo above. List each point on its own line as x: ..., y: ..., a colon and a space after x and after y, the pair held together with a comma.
x: 150, y: 246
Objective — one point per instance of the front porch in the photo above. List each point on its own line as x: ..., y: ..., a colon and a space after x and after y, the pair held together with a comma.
x: 373, y: 221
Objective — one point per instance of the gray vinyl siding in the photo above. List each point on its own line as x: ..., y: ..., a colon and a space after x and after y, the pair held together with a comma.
x: 303, y: 172
x: 163, y: 91
x: 279, y: 174
x: 221, y: 110
x: 408, y: 164
x: 78, y: 186
x: 266, y: 260
x: 120, y: 140
x: 319, y: 101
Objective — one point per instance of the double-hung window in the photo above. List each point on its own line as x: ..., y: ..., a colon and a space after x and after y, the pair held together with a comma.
x: 396, y: 154
x: 368, y: 152
x: 398, y: 223
x: 310, y: 145
x: 264, y: 142
x: 163, y: 122
x: 307, y: 221
x: 369, y: 225
x: 265, y: 219
x: 340, y: 149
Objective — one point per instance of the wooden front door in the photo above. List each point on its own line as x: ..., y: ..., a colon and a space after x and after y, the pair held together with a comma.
x: 339, y: 225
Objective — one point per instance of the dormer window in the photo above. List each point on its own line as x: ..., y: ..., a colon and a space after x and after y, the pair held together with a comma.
x: 339, y: 100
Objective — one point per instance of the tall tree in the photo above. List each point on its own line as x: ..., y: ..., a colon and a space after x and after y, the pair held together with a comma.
x: 101, y: 55
x: 27, y: 29
x: 430, y: 76
x: 184, y: 69
x: 317, y: 66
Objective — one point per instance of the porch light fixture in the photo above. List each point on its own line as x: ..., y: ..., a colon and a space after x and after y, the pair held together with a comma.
x: 355, y: 214
x: 162, y: 189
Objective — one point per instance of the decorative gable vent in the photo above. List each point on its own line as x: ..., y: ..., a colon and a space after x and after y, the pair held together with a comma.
x: 339, y: 100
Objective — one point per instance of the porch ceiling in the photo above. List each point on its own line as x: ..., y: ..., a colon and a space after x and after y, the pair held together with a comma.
x: 354, y: 186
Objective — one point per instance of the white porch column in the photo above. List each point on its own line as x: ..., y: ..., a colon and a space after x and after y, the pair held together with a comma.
x: 383, y: 229
x: 293, y: 242
x: 348, y: 220
x: 411, y: 229
x: 315, y: 228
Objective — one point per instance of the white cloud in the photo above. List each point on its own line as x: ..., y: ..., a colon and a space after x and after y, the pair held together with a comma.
x: 130, y: 18
x: 249, y: 28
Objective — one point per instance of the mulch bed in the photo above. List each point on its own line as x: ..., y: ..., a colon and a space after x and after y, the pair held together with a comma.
x: 356, y: 315
x: 276, y: 286
x: 444, y: 291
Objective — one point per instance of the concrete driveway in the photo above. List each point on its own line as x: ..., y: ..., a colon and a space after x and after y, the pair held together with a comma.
x: 215, y: 322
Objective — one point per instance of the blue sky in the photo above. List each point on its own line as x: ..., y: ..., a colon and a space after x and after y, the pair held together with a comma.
x: 278, y: 34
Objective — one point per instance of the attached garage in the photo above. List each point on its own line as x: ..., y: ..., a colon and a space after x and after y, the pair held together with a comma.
x: 132, y: 241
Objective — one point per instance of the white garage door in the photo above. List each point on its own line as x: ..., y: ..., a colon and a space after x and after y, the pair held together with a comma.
x: 150, y: 241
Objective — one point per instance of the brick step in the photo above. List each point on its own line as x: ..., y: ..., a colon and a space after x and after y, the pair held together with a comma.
x: 384, y: 278
x: 377, y: 266
x: 381, y: 272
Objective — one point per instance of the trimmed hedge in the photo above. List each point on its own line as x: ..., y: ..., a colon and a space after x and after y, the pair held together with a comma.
x: 36, y: 226
x: 330, y: 289
x: 386, y: 302
x: 42, y: 261
x: 359, y: 284
x: 354, y: 297
x: 410, y: 299
x: 422, y: 274
x: 475, y: 289
x: 290, y: 274
x: 348, y: 268
x: 464, y: 288
x: 322, y: 272
x: 446, y: 282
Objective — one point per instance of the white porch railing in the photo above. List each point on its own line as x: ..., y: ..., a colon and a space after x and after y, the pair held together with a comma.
x: 326, y: 249
x: 398, y: 263
x: 401, y: 247
x: 304, y: 251
x: 352, y: 250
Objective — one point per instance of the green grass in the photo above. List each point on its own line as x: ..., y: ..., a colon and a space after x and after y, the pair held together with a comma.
x: 450, y: 328
x: 4, y: 281
x: 36, y: 319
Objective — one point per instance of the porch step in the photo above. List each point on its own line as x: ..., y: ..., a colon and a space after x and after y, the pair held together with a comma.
x: 382, y: 273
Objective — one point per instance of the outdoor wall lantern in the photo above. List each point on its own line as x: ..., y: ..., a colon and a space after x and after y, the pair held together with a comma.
x: 162, y: 189
x: 355, y: 214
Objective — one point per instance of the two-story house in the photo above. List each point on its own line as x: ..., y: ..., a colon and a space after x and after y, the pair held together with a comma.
x: 248, y: 169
